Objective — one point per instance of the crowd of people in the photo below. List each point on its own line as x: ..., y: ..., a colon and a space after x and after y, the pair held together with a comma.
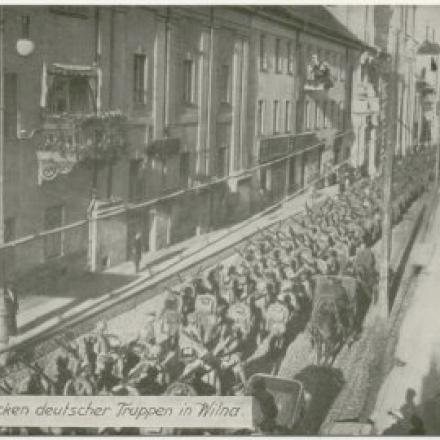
x: 219, y: 326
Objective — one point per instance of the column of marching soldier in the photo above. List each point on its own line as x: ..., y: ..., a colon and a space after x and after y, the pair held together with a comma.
x: 218, y: 325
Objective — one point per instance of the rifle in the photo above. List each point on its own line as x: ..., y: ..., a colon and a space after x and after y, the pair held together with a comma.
x: 5, y: 390
x: 199, y: 271
x: 239, y: 252
x: 7, y: 385
x: 68, y: 348
x: 37, y: 369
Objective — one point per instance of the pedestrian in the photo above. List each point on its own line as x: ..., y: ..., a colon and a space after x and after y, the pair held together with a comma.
x: 137, y: 251
x: 11, y: 301
x: 417, y: 426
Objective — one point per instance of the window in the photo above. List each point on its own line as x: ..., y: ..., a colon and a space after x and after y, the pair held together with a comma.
x: 278, y: 59
x: 188, y: 81
x: 264, y: 181
x: 276, y: 117
x: 260, y: 117
x: 223, y: 161
x: 287, y: 117
x: 184, y: 169
x: 70, y: 94
x: 310, y: 52
x: 325, y: 114
x: 332, y: 114
x: 11, y: 105
x: 225, y: 84
x: 292, y: 173
x: 136, y: 181
x: 263, y: 54
x: 340, y: 116
x: 290, y: 58
x: 307, y: 115
x: 332, y: 63
x: 9, y: 229
x: 318, y: 115
x: 70, y: 11
x: 342, y: 67
x: 140, y: 79
x: 25, y: 26
x: 53, y: 243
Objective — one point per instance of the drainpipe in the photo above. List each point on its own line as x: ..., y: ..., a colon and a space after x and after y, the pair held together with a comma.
x: 166, y: 73
x: 97, y: 60
x: 4, y: 327
x: 2, y: 120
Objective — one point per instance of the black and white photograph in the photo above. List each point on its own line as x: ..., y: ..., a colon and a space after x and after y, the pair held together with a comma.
x: 233, y: 206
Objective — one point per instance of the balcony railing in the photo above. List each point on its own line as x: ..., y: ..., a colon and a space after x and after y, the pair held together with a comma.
x: 70, y: 139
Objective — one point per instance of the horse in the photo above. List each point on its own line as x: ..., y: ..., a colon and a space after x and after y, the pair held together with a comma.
x: 327, y: 335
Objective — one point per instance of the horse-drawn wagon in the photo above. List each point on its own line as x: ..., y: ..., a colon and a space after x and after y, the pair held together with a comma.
x: 333, y: 317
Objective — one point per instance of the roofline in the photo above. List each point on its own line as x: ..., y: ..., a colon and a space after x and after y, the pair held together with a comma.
x: 308, y: 27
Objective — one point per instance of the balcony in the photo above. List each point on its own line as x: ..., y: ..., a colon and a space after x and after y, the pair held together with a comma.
x: 424, y: 87
x: 365, y: 106
x: 275, y: 147
x: 318, y: 77
x: 164, y: 147
x: 68, y: 140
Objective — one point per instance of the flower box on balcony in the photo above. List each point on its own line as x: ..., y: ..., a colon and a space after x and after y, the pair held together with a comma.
x: 69, y: 139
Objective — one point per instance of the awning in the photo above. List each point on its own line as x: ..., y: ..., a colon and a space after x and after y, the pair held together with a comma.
x: 273, y: 148
x: 429, y: 48
x: 71, y: 70
x: 164, y: 147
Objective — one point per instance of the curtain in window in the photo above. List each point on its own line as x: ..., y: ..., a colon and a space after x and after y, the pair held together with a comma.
x: 50, y: 73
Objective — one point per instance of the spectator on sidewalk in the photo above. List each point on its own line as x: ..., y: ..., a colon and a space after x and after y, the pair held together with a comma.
x: 137, y: 251
x: 11, y: 300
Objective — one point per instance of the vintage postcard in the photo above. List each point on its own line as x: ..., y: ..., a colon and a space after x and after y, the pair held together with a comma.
x: 219, y: 219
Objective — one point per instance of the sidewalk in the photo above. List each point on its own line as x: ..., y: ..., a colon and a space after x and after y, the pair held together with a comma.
x: 93, y: 292
x: 413, y: 384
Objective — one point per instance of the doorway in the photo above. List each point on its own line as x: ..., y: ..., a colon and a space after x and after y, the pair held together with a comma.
x: 138, y: 221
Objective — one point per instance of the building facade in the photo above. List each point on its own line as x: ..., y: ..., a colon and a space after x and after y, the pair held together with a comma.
x: 385, y: 95
x: 216, y: 98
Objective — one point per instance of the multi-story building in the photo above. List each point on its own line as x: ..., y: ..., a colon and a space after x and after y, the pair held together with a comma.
x: 187, y: 96
x: 383, y: 102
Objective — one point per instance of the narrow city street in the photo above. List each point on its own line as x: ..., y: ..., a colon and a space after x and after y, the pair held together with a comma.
x: 223, y: 200
x: 412, y: 386
x: 323, y: 384
x: 89, y: 291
